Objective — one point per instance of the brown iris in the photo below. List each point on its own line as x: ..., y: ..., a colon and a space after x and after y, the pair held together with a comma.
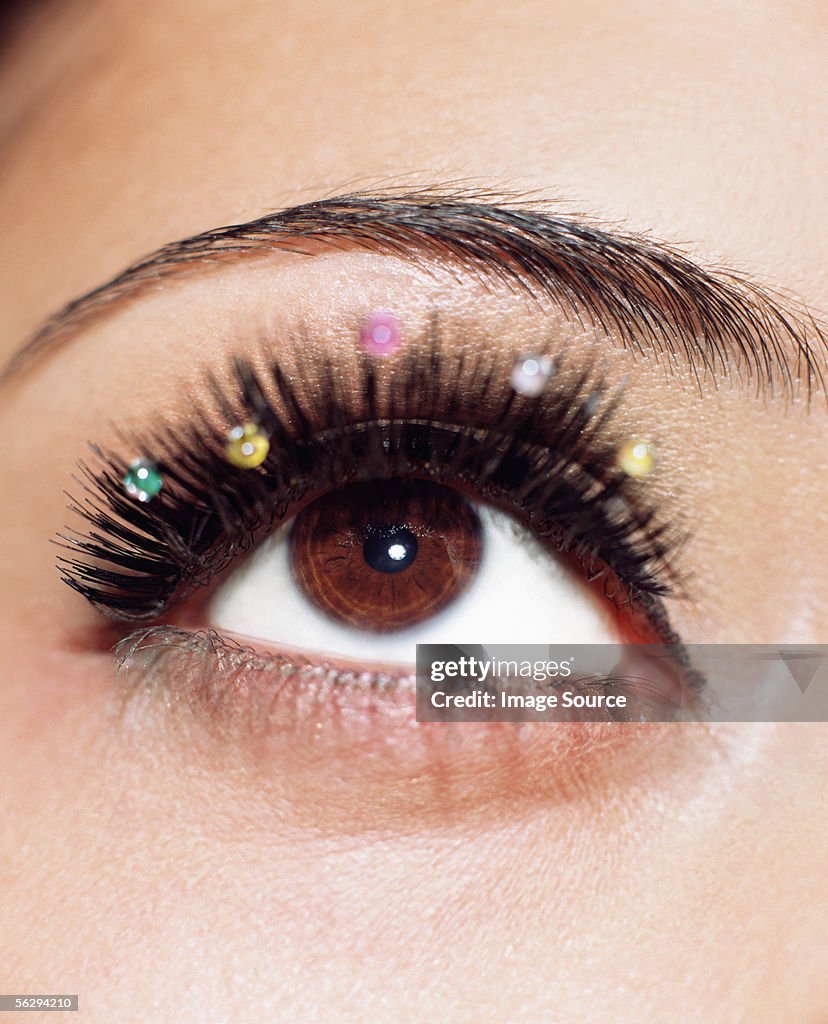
x: 385, y: 555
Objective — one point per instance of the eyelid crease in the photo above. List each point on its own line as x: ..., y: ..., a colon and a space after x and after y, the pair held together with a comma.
x: 647, y: 293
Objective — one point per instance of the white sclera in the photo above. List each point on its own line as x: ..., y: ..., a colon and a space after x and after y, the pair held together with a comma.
x: 521, y: 594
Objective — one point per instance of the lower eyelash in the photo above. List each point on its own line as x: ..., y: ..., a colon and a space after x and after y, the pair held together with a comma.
x: 225, y: 657
x: 216, y: 678
x: 546, y: 459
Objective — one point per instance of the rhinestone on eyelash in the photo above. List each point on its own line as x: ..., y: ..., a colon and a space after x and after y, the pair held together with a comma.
x: 636, y: 458
x: 247, y: 446
x: 381, y: 334
x: 142, y: 480
x: 531, y: 374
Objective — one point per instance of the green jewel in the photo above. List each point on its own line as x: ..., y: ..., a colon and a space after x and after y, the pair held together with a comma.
x: 143, y: 480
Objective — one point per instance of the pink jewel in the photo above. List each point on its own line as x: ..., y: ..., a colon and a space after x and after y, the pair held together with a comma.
x: 381, y: 334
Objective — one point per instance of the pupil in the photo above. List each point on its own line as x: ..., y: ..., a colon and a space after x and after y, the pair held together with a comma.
x: 390, y: 549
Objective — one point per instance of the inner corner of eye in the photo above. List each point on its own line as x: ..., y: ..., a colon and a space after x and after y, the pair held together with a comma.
x: 371, y: 569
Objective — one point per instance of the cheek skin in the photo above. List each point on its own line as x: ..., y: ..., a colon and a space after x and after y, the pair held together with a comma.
x: 214, y: 901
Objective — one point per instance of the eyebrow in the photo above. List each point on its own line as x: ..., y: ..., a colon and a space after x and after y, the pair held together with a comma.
x: 647, y: 293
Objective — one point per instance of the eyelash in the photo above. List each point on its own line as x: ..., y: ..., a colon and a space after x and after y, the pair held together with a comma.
x: 134, y: 560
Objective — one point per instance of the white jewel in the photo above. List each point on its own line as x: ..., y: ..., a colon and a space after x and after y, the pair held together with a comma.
x: 531, y: 374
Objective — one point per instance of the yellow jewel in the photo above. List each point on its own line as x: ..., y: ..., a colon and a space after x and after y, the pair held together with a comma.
x: 636, y: 458
x: 247, y: 446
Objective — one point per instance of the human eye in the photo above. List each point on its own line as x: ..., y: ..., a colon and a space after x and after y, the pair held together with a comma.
x: 331, y: 513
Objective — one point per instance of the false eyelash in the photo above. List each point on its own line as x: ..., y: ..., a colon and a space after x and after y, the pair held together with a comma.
x: 543, y: 458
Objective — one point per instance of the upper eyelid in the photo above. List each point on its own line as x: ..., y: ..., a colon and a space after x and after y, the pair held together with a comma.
x: 649, y: 295
x: 562, y: 425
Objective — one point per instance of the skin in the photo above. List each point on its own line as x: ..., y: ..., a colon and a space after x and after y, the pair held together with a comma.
x: 161, y: 867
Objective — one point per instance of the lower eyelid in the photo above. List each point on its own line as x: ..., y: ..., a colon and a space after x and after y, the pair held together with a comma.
x: 276, y: 727
x: 330, y: 759
x: 229, y: 683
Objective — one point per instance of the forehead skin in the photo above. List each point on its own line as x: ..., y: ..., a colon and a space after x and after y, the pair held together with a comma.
x: 699, y: 122
x: 125, y: 125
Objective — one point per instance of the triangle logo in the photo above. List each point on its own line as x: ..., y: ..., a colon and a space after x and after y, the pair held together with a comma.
x: 803, y: 666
